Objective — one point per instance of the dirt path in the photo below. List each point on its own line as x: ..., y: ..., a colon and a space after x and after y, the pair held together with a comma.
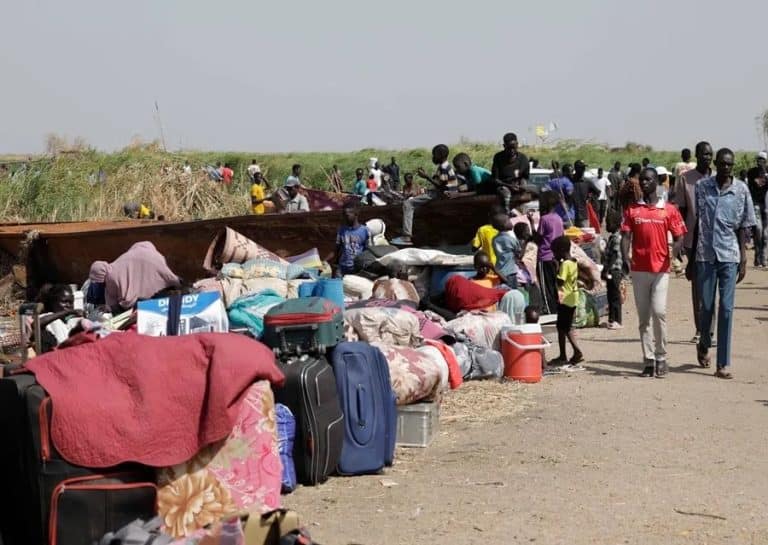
x: 598, y: 457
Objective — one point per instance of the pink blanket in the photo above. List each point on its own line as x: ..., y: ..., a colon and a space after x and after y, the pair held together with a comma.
x: 152, y: 400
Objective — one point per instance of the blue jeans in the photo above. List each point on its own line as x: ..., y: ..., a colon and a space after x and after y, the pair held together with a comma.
x: 711, y: 276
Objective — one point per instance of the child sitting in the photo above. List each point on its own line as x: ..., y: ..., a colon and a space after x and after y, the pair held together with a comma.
x: 487, y: 233
x: 567, y: 282
x: 531, y: 314
x: 613, y: 265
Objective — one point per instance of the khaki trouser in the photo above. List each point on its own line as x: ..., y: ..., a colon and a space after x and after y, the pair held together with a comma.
x: 651, y: 301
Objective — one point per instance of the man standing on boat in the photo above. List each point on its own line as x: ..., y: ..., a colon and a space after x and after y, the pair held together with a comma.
x: 510, y: 170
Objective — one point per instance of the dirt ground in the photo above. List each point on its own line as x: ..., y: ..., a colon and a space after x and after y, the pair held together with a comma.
x: 596, y: 457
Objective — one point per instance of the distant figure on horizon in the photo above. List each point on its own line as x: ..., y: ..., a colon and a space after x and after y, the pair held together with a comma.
x: 336, y: 180
x: 253, y: 168
x: 394, y: 174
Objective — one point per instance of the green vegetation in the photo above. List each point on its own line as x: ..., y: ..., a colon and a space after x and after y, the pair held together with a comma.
x: 67, y: 187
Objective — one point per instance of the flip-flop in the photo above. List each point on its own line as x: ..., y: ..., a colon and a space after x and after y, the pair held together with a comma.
x: 723, y: 374
x: 576, y: 359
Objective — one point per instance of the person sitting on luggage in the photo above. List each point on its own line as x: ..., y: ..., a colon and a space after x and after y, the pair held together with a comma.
x: 59, y: 315
x: 444, y: 181
x: 351, y: 239
x: 477, y: 178
x: 487, y: 233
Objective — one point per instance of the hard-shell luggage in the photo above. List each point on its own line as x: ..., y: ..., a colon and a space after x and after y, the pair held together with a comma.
x: 304, y: 325
x: 310, y: 393
x: 368, y: 403
x: 45, y: 499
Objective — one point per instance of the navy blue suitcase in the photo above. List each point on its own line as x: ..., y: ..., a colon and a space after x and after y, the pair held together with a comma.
x: 368, y: 403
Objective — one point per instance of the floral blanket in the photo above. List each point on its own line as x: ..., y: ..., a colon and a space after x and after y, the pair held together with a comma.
x: 241, y: 473
x: 416, y: 374
x: 382, y: 324
x: 482, y: 328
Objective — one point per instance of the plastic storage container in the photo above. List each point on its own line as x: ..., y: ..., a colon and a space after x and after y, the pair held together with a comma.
x: 417, y: 424
x: 522, y: 348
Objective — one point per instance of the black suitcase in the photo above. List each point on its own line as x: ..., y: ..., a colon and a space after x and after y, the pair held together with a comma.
x: 46, y: 500
x: 310, y: 393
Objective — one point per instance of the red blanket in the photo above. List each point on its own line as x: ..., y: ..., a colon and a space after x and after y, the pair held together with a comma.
x: 463, y: 294
x: 152, y: 400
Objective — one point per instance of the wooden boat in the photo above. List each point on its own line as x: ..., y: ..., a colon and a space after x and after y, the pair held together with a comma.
x: 63, y: 252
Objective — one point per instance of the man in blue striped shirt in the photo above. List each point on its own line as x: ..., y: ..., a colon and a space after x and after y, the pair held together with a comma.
x: 725, y: 214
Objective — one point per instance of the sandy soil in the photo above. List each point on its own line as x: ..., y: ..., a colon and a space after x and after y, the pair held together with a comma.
x: 597, y: 457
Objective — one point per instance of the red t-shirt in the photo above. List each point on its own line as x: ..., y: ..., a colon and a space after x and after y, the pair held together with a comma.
x: 226, y: 175
x: 649, y: 226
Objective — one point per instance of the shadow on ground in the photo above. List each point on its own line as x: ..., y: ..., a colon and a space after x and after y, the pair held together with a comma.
x: 633, y: 369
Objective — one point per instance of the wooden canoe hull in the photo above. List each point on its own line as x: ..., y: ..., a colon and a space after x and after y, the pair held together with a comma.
x: 64, y: 252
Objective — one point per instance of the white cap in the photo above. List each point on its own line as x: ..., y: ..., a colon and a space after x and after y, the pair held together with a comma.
x: 662, y: 171
x: 762, y: 155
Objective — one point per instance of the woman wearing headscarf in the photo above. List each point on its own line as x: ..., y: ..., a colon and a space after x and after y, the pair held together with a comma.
x: 139, y: 273
x: 96, y: 278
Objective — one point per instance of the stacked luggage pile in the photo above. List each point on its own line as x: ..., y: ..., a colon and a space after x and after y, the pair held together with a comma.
x: 362, y: 366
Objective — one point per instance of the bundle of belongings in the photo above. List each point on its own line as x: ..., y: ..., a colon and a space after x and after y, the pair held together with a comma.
x: 185, y: 413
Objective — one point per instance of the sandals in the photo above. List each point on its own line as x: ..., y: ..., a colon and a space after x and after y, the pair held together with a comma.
x: 576, y: 359
x: 723, y: 373
x: 649, y: 371
x: 557, y: 362
x: 703, y: 358
x: 661, y: 369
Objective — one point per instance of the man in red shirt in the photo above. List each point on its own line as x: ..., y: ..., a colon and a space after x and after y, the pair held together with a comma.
x: 646, y: 226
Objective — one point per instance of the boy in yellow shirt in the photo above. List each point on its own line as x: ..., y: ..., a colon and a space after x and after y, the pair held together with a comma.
x: 483, y: 240
x: 567, y: 282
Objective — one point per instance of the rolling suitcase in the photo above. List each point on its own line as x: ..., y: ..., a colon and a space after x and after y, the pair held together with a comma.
x: 368, y: 403
x: 46, y: 500
x: 310, y: 393
x: 307, y: 325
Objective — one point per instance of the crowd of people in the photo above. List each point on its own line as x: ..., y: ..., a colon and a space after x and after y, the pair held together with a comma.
x: 655, y: 220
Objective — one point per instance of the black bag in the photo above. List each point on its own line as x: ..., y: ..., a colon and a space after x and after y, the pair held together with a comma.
x: 45, y: 499
x: 367, y: 264
x: 310, y: 393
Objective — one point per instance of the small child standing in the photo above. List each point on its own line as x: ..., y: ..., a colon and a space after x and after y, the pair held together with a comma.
x: 613, y: 269
x: 567, y: 282
x: 351, y: 240
x: 507, y: 249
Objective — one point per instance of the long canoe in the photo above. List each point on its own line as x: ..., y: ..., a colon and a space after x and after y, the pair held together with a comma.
x: 63, y: 252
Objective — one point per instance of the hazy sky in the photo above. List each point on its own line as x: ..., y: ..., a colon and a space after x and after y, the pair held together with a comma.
x: 350, y: 74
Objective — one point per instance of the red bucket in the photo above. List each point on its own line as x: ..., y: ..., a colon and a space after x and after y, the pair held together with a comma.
x: 523, y: 355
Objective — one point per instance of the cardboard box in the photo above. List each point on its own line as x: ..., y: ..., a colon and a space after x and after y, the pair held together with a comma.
x: 200, y: 313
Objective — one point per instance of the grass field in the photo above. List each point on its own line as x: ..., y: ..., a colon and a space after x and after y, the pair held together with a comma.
x: 67, y: 187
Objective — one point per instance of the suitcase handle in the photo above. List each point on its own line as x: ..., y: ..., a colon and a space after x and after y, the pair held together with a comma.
x: 280, y: 330
x: 544, y: 344
x: 361, y: 406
